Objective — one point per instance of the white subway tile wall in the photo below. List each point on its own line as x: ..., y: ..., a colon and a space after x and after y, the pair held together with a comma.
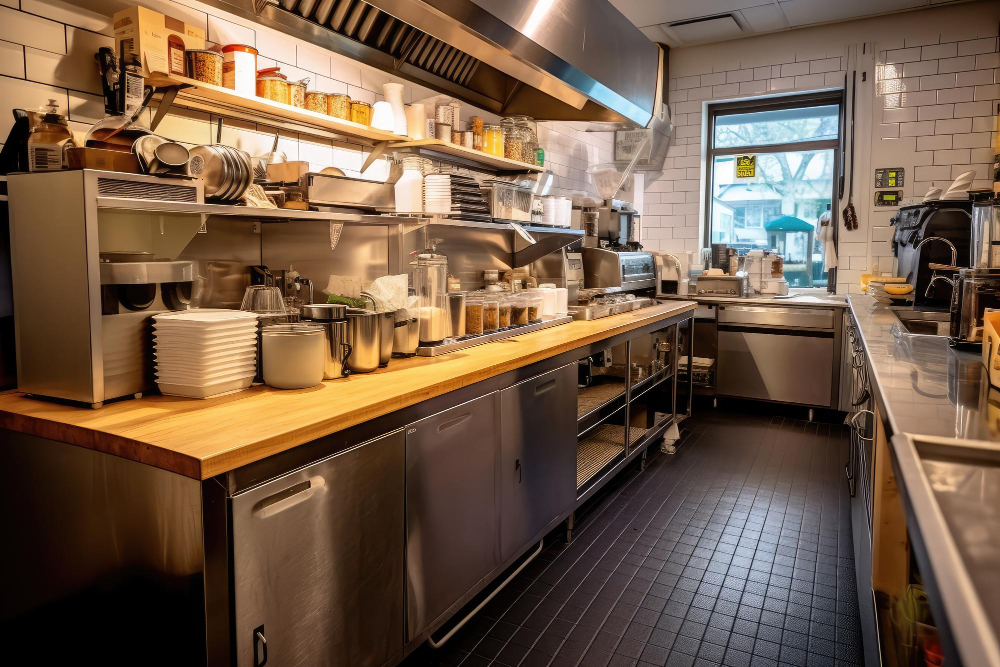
x: 937, y: 86
x: 47, y: 48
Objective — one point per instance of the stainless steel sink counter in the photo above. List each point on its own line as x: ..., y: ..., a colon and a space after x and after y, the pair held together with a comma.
x: 937, y: 405
x: 923, y: 386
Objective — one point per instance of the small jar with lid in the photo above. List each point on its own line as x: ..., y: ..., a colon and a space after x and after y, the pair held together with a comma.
x: 361, y: 112
x: 338, y: 105
x: 274, y: 88
x: 518, y: 311
x: 491, y: 314
x: 316, y: 101
x: 297, y: 93
x: 505, y: 308
x: 473, y: 315
x: 205, y: 66
x: 493, y: 140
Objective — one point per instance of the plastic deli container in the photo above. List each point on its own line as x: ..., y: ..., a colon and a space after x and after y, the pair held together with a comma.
x: 491, y: 314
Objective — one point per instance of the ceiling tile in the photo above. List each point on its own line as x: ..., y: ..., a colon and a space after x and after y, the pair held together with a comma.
x: 805, y: 12
x: 711, y: 30
x: 651, y: 12
x: 764, y: 18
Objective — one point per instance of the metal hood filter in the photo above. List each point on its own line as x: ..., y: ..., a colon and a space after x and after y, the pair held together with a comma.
x: 574, y: 60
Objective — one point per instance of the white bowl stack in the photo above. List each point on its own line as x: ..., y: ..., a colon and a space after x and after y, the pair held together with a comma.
x: 437, y: 193
x: 203, y: 353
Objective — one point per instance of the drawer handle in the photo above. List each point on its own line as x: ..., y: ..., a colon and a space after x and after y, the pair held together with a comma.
x: 544, y: 387
x: 452, y: 423
x: 282, y: 500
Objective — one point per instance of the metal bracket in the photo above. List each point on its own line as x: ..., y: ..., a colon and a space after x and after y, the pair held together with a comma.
x: 165, y: 103
x: 377, y: 151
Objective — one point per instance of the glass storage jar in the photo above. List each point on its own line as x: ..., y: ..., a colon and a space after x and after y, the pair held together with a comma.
x: 274, y: 88
x: 297, y: 93
x: 518, y: 311
x: 493, y: 140
x: 338, y: 105
x: 477, y: 132
x: 205, y: 66
x: 534, y: 303
x: 473, y: 316
x: 316, y: 101
x: 491, y: 314
x: 505, y: 312
x: 361, y: 112
x: 429, y: 277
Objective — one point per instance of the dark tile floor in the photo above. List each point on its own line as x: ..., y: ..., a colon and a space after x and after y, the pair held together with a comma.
x: 735, y: 551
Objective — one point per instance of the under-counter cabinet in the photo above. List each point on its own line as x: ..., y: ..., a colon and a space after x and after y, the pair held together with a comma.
x: 317, y: 561
x: 538, y: 455
x: 451, y: 512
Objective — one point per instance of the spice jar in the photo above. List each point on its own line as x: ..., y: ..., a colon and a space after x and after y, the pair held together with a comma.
x: 473, y: 316
x: 297, y: 93
x: 338, y: 105
x: 477, y: 132
x: 518, y: 311
x: 534, y: 303
x: 316, y: 101
x: 205, y: 66
x: 239, y: 68
x: 361, y: 112
x: 493, y: 140
x: 274, y: 88
x: 491, y: 314
x: 505, y: 312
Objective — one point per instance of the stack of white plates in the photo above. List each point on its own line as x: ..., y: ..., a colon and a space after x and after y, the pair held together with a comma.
x: 437, y: 193
x: 557, y: 211
x: 202, y: 353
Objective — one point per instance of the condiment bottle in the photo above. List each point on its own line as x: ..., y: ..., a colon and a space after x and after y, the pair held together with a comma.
x: 49, y: 140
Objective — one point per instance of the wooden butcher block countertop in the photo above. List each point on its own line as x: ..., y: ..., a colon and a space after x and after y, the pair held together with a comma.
x: 204, y: 438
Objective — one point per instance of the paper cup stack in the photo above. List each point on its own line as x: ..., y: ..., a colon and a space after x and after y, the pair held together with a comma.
x: 203, y: 353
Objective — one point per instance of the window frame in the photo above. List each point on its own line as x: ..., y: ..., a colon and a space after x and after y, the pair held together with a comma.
x: 776, y: 103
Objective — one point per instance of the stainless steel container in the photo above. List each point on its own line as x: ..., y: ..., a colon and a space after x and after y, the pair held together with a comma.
x: 387, y: 320
x: 332, y: 317
x: 364, y: 329
x: 406, y: 337
x: 456, y: 308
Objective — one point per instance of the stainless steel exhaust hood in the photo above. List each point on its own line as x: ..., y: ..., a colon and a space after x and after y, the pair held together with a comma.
x: 579, y: 60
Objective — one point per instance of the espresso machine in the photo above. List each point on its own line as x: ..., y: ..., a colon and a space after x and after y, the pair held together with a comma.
x: 977, y: 289
x: 616, y: 225
x: 931, y: 241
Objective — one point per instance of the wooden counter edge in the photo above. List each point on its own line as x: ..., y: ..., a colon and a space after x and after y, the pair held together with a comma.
x: 232, y: 457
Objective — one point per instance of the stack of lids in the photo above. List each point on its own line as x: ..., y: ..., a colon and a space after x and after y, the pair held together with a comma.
x: 203, y: 353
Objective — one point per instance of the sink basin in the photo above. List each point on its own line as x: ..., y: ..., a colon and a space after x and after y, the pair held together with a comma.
x: 923, y: 322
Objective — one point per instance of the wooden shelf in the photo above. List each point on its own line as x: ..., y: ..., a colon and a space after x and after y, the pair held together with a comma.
x: 225, y: 99
x: 466, y: 155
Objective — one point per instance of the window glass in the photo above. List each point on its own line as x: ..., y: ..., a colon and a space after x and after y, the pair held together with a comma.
x: 777, y: 209
x: 780, y: 126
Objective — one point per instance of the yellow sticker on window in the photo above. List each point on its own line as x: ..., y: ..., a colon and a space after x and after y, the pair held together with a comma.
x: 746, y: 166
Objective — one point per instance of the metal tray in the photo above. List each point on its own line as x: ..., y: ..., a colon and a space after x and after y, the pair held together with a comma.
x: 455, y: 344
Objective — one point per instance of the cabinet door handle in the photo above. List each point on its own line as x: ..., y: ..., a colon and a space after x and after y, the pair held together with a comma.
x: 452, y: 423
x: 545, y: 386
x: 259, y: 660
x: 282, y: 500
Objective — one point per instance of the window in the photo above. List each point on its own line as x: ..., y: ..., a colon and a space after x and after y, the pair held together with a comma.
x: 773, y: 166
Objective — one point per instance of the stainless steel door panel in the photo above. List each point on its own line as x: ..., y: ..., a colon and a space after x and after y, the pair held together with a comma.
x: 318, y: 561
x: 451, y: 522
x: 787, y: 368
x: 803, y: 318
x: 538, y: 455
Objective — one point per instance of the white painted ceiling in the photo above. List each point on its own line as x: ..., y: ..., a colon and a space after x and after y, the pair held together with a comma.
x: 659, y: 19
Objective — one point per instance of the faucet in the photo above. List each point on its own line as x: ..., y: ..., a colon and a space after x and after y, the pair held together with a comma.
x: 954, y: 252
x: 930, y: 285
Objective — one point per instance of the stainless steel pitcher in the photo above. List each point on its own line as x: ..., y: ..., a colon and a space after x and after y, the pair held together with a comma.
x: 364, y: 328
x: 338, y: 350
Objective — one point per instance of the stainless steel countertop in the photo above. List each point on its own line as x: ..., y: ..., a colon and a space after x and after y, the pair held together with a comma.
x: 831, y: 301
x: 939, y: 406
x: 925, y: 386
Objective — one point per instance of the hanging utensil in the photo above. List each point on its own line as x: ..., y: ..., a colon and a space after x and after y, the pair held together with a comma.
x: 850, y: 215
